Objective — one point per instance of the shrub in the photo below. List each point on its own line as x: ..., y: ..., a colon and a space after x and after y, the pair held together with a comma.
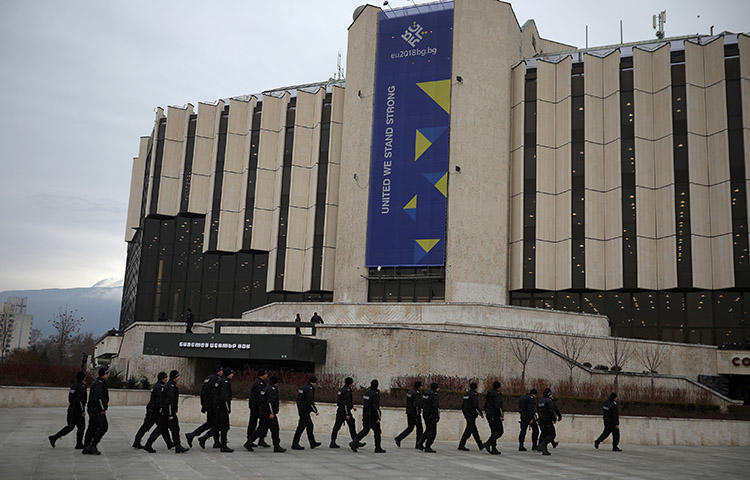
x: 601, y: 367
x: 145, y: 384
x: 587, y: 364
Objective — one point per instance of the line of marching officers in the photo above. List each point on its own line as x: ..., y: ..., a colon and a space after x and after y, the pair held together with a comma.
x: 538, y: 414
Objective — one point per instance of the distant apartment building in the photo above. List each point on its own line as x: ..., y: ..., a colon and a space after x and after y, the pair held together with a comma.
x: 15, y: 325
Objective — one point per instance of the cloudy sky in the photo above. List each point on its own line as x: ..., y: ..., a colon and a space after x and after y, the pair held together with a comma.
x: 79, y: 81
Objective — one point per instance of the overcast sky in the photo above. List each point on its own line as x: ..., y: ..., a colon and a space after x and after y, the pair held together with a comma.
x: 79, y: 82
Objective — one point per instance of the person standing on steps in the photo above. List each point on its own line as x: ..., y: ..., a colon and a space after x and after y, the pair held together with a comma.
x: 254, y: 398
x: 209, y: 399
x: 316, y: 319
x: 431, y: 414
x: 153, y: 415
x: 97, y: 409
x: 297, y: 329
x: 493, y: 407
x: 306, y: 406
x: 344, y: 409
x: 527, y: 412
x: 611, y: 413
x: 413, y: 416
x: 549, y: 414
x: 371, y: 417
x: 190, y: 319
x: 470, y: 409
x: 76, y: 412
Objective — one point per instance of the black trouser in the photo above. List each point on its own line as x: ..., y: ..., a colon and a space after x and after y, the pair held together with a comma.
x: 546, y: 435
x: 470, y: 431
x: 97, y: 428
x: 252, y: 424
x: 163, y: 428
x: 264, y: 425
x: 152, y: 418
x: 305, y: 423
x: 369, y: 423
x: 615, y: 435
x: 208, y: 426
x: 340, y: 419
x: 414, y: 421
x: 222, y: 426
x: 430, y: 431
x: 525, y: 425
x: 75, y: 420
x: 496, y: 431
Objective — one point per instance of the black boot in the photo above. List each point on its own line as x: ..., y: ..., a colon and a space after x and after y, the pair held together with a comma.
x: 494, y: 450
x: 333, y: 445
x: 353, y: 445
x: 202, y: 442
x: 462, y: 448
x: 180, y: 449
x: 521, y: 448
x: 263, y: 444
x: 315, y: 444
x: 279, y: 449
x: 616, y: 449
x: 297, y: 446
x: 52, y: 440
x: 149, y: 448
x: 137, y: 445
x: 555, y: 444
x: 249, y: 446
x: 226, y: 449
x: 398, y: 442
x: 79, y: 446
x: 189, y: 437
x: 379, y: 450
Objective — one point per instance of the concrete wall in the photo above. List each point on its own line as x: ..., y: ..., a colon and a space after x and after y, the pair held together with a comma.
x: 17, y: 397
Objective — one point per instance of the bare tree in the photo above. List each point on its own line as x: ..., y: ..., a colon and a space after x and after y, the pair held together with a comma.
x: 67, y: 322
x: 651, y: 356
x: 619, y: 354
x: 574, y: 347
x: 522, y: 348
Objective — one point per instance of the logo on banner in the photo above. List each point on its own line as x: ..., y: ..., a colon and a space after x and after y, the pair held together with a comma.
x: 413, y: 34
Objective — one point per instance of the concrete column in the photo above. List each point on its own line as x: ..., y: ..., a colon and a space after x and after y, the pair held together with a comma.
x: 173, y: 160
x: 136, y: 190
x: 486, y: 45
x: 154, y: 132
x: 708, y: 160
x: 744, y: 45
x: 515, y: 267
x: 332, y: 190
x: 204, y: 157
x: 356, y: 145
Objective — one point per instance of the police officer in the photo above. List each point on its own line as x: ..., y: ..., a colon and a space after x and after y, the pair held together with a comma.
x: 153, y: 409
x: 370, y: 418
x: 493, y: 407
x: 252, y: 426
x: 269, y: 410
x: 169, y: 404
x: 345, y: 407
x: 306, y: 406
x: 431, y: 414
x: 470, y: 409
x: 209, y: 400
x: 97, y: 409
x: 223, y: 408
x: 76, y: 412
x: 527, y: 412
x: 413, y: 416
x: 549, y: 414
x: 611, y: 414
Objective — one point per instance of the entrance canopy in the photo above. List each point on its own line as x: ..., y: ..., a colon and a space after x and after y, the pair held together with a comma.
x: 235, y: 346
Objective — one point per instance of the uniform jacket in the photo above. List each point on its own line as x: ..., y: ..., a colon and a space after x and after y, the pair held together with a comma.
x: 209, y: 392
x: 99, y: 398
x: 155, y: 401
x: 371, y: 404
x: 470, y: 404
x: 77, y: 397
x: 547, y: 410
x: 306, y: 399
x: 611, y: 412
x: 170, y: 399
x: 269, y: 400
x: 430, y: 405
x: 344, y: 399
x: 225, y: 395
x: 493, y: 404
x: 255, y: 389
x: 413, y: 402
x: 526, y: 407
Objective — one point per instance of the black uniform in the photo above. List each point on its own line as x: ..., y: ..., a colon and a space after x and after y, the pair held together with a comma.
x: 548, y: 415
x: 493, y: 408
x: 611, y: 414
x: 305, y: 406
x: 471, y: 410
x: 316, y: 319
x: 97, y: 406
x: 76, y: 409
x: 190, y: 320
x: 370, y: 417
x: 344, y: 403
x: 527, y: 411
x: 224, y: 408
x: 170, y: 397
x: 268, y: 404
x: 431, y: 414
x: 413, y: 416
x: 255, y: 391
x: 209, y: 401
x: 153, y: 409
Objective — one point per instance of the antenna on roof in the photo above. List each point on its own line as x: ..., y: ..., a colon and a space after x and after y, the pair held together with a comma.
x: 662, y: 17
x: 339, y: 68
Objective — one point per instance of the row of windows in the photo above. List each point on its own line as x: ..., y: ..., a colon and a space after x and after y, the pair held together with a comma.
x: 705, y: 316
x: 406, y: 284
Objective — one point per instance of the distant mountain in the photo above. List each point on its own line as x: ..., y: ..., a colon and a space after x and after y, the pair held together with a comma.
x: 99, y: 305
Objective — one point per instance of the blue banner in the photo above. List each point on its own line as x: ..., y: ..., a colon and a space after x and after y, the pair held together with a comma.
x: 406, y: 220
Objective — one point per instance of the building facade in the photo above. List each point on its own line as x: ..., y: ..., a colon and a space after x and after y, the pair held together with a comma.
x: 15, y: 325
x: 608, y: 180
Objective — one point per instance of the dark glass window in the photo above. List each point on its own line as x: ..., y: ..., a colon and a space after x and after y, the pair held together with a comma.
x: 578, y: 181
x: 406, y: 284
x: 160, y: 133
x: 252, y: 175
x: 320, y: 195
x: 529, y: 182
x: 286, y: 180
x: 218, y: 180
x: 188, y: 169
x: 681, y: 173
x: 627, y: 132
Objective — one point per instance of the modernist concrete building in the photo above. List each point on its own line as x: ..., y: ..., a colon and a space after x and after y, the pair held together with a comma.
x: 469, y: 163
x: 15, y: 325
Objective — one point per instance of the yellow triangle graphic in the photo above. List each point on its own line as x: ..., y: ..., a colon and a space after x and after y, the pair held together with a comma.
x: 442, y: 185
x: 428, y: 243
x: 421, y: 144
x: 439, y: 91
x: 412, y: 203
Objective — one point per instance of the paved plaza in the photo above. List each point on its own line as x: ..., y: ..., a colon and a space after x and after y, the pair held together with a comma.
x: 25, y: 453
